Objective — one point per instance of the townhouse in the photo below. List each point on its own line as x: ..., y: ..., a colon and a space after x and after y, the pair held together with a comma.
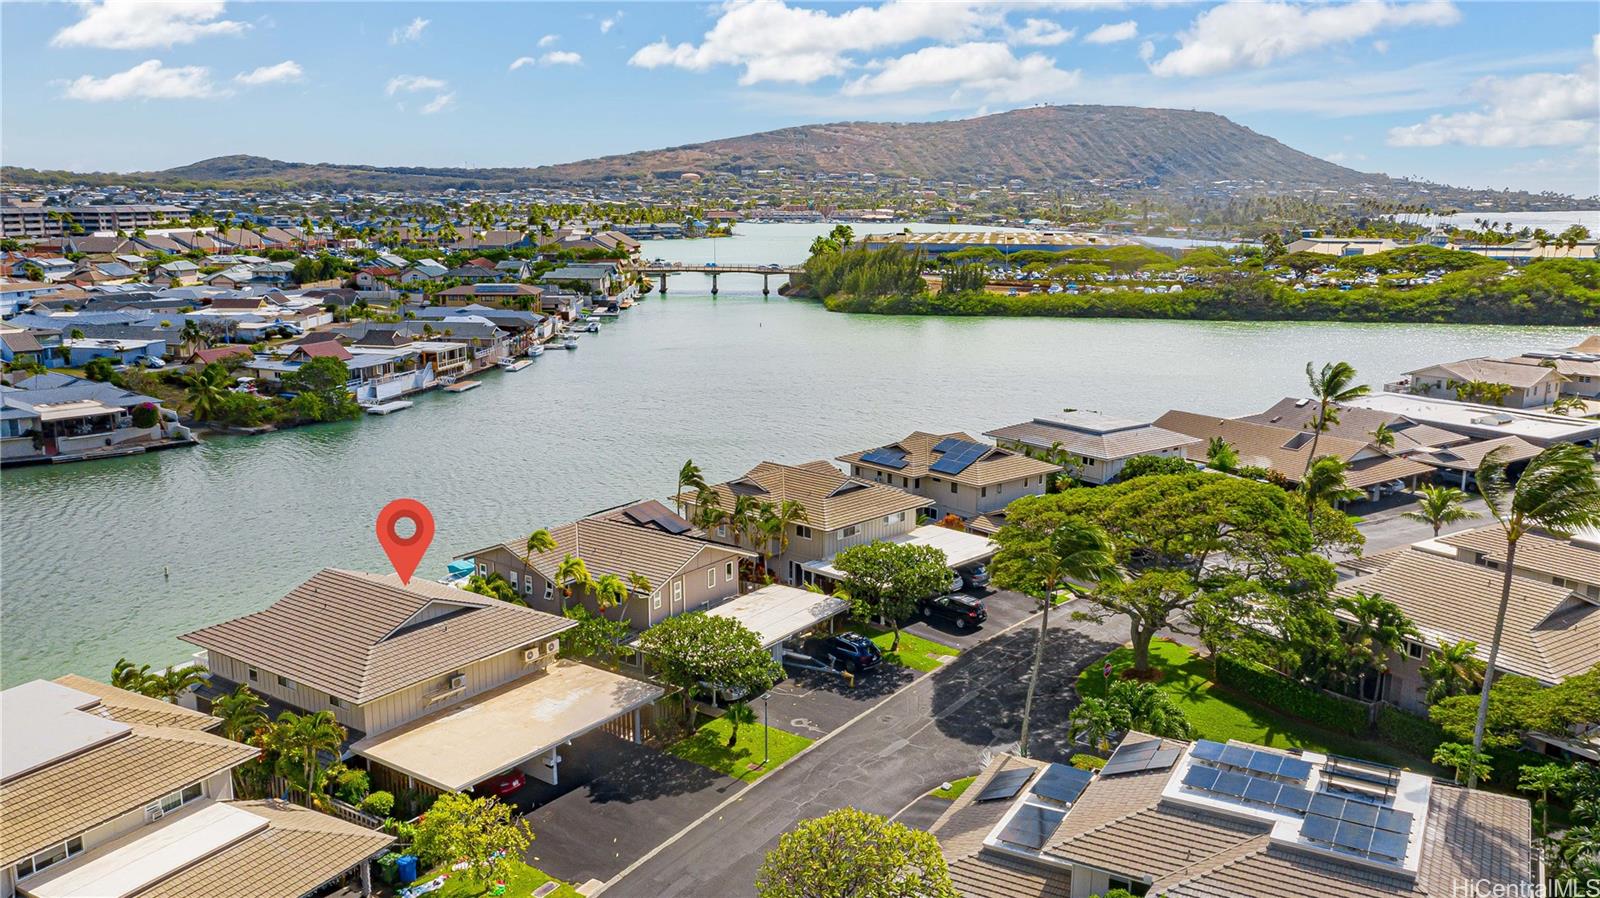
x: 109, y: 793
x: 1099, y: 445
x: 956, y: 474
x: 439, y: 688
x: 1516, y: 385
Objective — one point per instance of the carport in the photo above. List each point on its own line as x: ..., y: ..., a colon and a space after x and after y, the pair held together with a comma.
x: 775, y: 613
x: 509, y: 726
x: 960, y: 548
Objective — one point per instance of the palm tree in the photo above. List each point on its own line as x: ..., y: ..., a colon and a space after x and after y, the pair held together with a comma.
x: 1382, y: 436
x: 1567, y: 404
x: 125, y: 676
x: 777, y: 521
x: 689, y: 477
x: 1094, y: 721
x: 1334, y: 384
x: 207, y: 390
x: 1452, y: 669
x: 1221, y: 456
x: 610, y: 591
x: 539, y: 542
x: 572, y: 573
x: 1559, y: 492
x: 1150, y: 709
x: 744, y: 517
x: 309, y: 736
x: 1324, y: 482
x: 173, y: 682
x: 708, y: 513
x: 1378, y: 629
x: 638, y: 585
x: 1441, y: 505
x: 240, y: 713
x: 1067, y: 550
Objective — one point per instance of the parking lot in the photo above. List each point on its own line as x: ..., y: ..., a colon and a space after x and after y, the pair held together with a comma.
x: 1005, y: 608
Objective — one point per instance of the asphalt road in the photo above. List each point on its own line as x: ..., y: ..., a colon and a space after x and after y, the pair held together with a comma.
x: 1389, y: 529
x: 939, y: 728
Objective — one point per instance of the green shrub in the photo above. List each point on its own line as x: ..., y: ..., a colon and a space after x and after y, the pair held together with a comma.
x: 1085, y: 761
x: 1417, y: 735
x: 145, y: 415
x: 352, y: 786
x: 378, y: 804
x: 1274, y: 690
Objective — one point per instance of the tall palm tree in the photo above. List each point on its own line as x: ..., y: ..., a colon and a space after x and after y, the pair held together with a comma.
x: 240, y: 713
x: 571, y: 574
x: 1334, y: 384
x: 125, y: 676
x: 1378, y: 630
x: 708, y: 513
x: 777, y: 521
x: 743, y: 518
x: 1324, y: 482
x: 1059, y: 550
x: 207, y: 388
x: 1440, y: 505
x: 1453, y: 668
x: 610, y: 591
x: 309, y: 737
x: 539, y: 542
x: 1559, y: 492
x: 689, y: 478
x: 173, y: 682
x: 638, y: 585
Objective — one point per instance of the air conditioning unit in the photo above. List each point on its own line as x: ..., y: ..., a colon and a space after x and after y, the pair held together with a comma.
x: 152, y: 811
x: 553, y: 646
x: 458, y: 681
x: 530, y: 655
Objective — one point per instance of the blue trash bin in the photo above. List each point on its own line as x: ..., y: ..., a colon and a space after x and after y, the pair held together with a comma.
x: 406, y: 867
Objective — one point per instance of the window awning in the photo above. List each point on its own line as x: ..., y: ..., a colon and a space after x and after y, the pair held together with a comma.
x: 959, y: 547
x: 775, y: 613
x: 83, y: 408
x: 463, y: 745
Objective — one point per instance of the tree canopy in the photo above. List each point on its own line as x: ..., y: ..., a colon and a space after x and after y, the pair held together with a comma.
x: 853, y: 854
x: 888, y: 579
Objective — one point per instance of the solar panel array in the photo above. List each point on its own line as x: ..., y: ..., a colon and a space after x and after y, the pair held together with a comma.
x: 666, y: 520
x: 958, y: 455
x: 886, y: 458
x: 1244, y: 758
x: 1137, y: 757
x: 1005, y: 784
x: 1278, y: 796
x: 497, y: 288
x: 1032, y: 825
x: 1062, y: 783
x: 1361, y: 827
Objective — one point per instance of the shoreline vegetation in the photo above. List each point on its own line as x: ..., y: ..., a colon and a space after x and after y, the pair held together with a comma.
x: 1414, y: 284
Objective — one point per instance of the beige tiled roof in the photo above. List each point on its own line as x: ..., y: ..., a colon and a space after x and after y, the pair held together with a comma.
x: 964, y: 825
x: 1154, y: 840
x: 613, y: 547
x: 1566, y: 367
x: 131, y: 707
x: 1358, y: 424
x: 1587, y: 344
x: 984, y: 873
x: 1106, y: 444
x: 345, y: 633
x: 831, y: 499
x: 1282, y: 449
x: 299, y: 850
x: 63, y: 799
x: 1549, y: 633
x: 1535, y: 552
x: 1489, y: 371
x: 1372, y: 471
x: 997, y: 466
x: 1467, y: 456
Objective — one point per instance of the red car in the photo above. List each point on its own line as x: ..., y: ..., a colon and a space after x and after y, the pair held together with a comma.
x: 505, y: 784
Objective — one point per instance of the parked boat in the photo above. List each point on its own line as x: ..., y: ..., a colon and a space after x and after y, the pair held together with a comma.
x: 514, y: 364
x: 385, y: 408
x: 535, y: 350
x: 570, y: 341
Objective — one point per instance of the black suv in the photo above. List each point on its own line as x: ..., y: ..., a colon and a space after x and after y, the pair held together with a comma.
x: 851, y: 651
x: 955, y: 609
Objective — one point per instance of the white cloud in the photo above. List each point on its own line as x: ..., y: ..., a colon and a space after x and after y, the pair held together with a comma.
x: 131, y: 24
x: 773, y: 41
x: 413, y: 83
x: 1147, y: 50
x: 1243, y: 33
x: 522, y: 61
x: 988, y: 71
x: 560, y: 57
x: 1110, y: 34
x: 1381, y: 46
x: 1540, y: 109
x: 439, y: 104
x: 149, y: 80
x: 411, y: 33
x: 288, y: 70
x: 610, y: 22
x: 549, y: 39
x: 1040, y: 33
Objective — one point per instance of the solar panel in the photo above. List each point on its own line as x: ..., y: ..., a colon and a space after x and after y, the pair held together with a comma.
x: 1163, y: 759
x: 1292, y: 799
x: 1130, y: 750
x: 1394, y: 821
x: 1032, y: 825
x: 1325, y: 805
x: 1264, y: 762
x: 1236, y: 756
x: 1005, y: 784
x: 1231, y: 784
x: 958, y: 456
x: 1206, y: 750
x: 886, y: 457
x: 1360, y: 812
x: 1354, y: 836
x: 1137, y: 757
x: 1294, y: 768
x: 1062, y: 783
x: 1202, y: 778
x: 1319, y: 829
x: 1262, y: 791
x: 948, y: 443
x: 1389, y: 845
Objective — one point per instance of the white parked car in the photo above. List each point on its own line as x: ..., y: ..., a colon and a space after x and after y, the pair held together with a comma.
x: 151, y: 361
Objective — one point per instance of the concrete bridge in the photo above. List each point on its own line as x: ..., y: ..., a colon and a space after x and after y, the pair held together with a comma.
x: 662, y: 269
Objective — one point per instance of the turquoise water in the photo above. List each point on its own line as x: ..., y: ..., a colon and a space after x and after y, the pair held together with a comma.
x: 119, y: 557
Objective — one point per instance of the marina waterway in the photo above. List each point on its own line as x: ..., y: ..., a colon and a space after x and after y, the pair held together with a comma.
x: 118, y: 557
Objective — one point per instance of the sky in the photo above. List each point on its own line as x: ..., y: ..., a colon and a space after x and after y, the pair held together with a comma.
x: 1474, y: 94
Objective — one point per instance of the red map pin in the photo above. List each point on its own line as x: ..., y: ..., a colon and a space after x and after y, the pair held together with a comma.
x: 405, y: 553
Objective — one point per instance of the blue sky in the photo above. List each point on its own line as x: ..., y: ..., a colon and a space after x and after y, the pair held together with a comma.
x: 1478, y: 94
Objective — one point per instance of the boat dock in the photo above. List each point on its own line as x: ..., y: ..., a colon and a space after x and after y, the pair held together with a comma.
x: 517, y: 365
x: 386, y: 408
x: 461, y: 386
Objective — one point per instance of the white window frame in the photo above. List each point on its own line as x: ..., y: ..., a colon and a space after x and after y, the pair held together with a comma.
x: 513, y: 573
x: 728, y: 572
x: 483, y: 569
x: 253, y: 674
x: 802, y: 531
x: 850, y: 531
x: 333, y: 701
x: 284, y: 682
x: 711, y: 578
x: 655, y: 600
x: 30, y: 863
x: 677, y: 591
x: 722, y: 530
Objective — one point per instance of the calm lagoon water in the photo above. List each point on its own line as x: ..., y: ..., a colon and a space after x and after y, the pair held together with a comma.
x: 119, y: 557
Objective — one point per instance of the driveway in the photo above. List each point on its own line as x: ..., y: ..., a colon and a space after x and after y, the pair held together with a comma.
x: 635, y: 798
x: 940, y: 727
x: 1005, y: 608
x: 813, y: 703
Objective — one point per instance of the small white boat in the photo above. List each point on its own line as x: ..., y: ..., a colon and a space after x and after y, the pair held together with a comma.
x: 514, y: 364
x: 535, y: 350
x: 569, y: 342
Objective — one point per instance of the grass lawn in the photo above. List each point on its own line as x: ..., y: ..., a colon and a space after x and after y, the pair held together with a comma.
x: 1220, y: 714
x: 708, y: 747
x: 523, y: 880
x: 915, y: 652
x: 956, y: 788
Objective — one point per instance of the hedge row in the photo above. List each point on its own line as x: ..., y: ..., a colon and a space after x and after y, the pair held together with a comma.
x: 1421, y: 736
x: 1270, y: 688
